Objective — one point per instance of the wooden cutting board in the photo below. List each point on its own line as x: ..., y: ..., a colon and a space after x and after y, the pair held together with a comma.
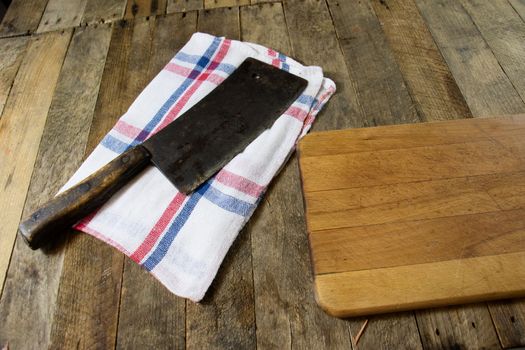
x: 416, y: 216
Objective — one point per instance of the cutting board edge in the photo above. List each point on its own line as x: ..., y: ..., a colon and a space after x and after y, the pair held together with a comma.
x: 386, y: 309
x: 502, y: 264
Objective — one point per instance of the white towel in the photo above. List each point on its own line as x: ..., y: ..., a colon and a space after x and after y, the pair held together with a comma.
x: 181, y: 239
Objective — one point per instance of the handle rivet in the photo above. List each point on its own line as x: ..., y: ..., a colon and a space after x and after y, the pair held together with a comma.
x: 125, y: 159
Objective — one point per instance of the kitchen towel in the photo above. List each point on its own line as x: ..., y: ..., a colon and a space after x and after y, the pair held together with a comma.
x: 181, y: 239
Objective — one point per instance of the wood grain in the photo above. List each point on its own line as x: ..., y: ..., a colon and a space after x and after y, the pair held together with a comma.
x: 151, y: 316
x: 22, y: 17
x: 13, y: 50
x: 184, y: 5
x: 223, y: 321
x: 385, y: 245
x: 61, y: 14
x: 434, y: 91
x: 38, y: 273
x: 395, y: 218
x: 103, y: 11
x: 371, y: 64
x: 255, y: 2
x: 220, y: 22
x: 144, y: 8
x: 87, y: 302
x: 336, y: 142
x: 313, y: 44
x: 421, y: 286
x: 487, y: 90
x: 361, y: 169
x: 509, y: 319
x: 209, y: 4
x: 286, y: 314
x: 465, y: 327
x: 479, y: 75
x: 21, y: 128
x: 519, y: 7
x: 504, y: 32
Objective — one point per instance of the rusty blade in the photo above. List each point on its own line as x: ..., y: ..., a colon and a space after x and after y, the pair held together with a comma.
x: 196, y: 145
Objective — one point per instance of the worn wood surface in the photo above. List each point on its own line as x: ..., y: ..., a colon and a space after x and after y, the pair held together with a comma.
x: 431, y: 85
x: 22, y: 17
x: 379, y: 83
x: 224, y: 3
x: 38, y: 273
x: 476, y: 57
x: 103, y: 11
x: 144, y: 8
x: 60, y: 14
x: 21, y: 127
x: 96, y: 289
x: 184, y: 5
x: 345, y: 110
x: 504, y: 32
x: 150, y: 315
x: 519, y: 7
x: 465, y: 327
x: 437, y: 60
x: 473, y: 64
x: 223, y: 321
x: 13, y: 50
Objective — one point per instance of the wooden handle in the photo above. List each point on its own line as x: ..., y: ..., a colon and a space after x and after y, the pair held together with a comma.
x: 63, y: 211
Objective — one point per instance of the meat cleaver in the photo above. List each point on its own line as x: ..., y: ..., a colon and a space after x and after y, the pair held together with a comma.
x: 188, y: 151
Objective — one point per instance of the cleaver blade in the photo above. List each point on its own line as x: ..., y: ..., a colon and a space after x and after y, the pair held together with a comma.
x: 188, y: 151
x: 199, y: 143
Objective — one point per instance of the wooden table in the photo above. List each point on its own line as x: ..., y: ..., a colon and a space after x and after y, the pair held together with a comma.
x: 70, y: 68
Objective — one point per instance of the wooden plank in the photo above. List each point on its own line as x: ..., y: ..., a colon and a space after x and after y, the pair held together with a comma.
x: 371, y: 64
x: 411, y: 136
x: 35, y: 272
x: 286, y: 314
x: 385, y: 245
x: 225, y: 319
x: 103, y: 11
x: 22, y: 17
x: 220, y: 22
x: 151, y: 316
x: 433, y: 89
x: 87, y: 302
x: 483, y: 82
x: 184, y: 5
x: 465, y: 327
x: 416, y: 286
x: 253, y: 18
x: 312, y: 45
x: 478, y: 74
x: 144, y: 8
x: 504, y: 32
x: 209, y: 4
x: 519, y: 7
x: 21, y: 128
x: 509, y: 319
x: 255, y: 2
x: 361, y: 169
x: 384, y: 327
x: 11, y: 55
x: 416, y: 201
x: 60, y: 14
